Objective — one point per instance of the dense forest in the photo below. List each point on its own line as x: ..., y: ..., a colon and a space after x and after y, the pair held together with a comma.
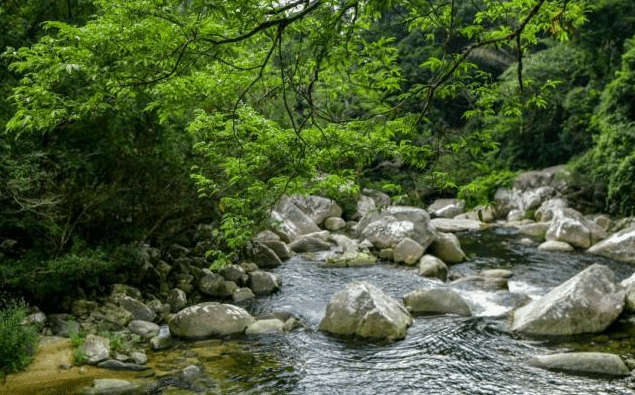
x: 130, y: 122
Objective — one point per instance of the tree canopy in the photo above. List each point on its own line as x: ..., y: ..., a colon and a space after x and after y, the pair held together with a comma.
x: 129, y: 121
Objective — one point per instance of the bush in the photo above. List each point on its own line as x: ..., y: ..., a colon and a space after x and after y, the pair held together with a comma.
x: 51, y: 283
x: 17, y: 342
x: 481, y: 190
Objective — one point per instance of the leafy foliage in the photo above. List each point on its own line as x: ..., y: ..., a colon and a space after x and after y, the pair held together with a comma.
x: 17, y: 342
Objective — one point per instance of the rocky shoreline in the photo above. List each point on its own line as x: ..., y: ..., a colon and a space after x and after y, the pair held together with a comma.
x: 184, y: 300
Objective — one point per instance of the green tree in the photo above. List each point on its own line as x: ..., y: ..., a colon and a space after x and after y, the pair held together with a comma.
x: 259, y: 98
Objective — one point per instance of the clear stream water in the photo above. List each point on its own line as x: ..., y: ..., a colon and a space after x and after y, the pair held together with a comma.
x: 441, y: 354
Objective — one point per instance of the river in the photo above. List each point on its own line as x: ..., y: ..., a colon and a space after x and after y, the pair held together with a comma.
x: 441, y: 354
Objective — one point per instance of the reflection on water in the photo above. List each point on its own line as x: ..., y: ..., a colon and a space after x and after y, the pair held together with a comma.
x: 441, y: 354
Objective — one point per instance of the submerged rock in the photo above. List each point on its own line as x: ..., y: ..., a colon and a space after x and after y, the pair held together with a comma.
x: 113, y: 387
x: 364, y: 310
x: 586, y: 303
x: 582, y: 363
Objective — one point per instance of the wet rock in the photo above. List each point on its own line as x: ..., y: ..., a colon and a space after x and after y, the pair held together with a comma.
x: 96, y: 349
x: 447, y: 248
x: 317, y: 208
x: 492, y: 283
x: 210, y: 319
x: 280, y: 248
x: 140, y: 358
x: 586, y: 303
x: 619, y: 246
x: 351, y: 259
x: 436, y: 301
x: 595, y: 363
x: 407, y: 251
x: 116, y: 315
x: 629, y: 287
x: 261, y: 327
x: 235, y: 273
x: 385, y: 229
x: 386, y: 254
x: 364, y: 310
x: 570, y: 226
x: 515, y: 215
x: 455, y: 225
x: 263, y: 256
x: 292, y: 221
x: 113, y: 387
x: 266, y: 235
x: 432, y: 267
x: 144, y: 329
x: 334, y: 224
x: 177, y: 299
x: 480, y: 213
x: 161, y: 342
x: 263, y: 283
x: 537, y: 230
x: 138, y: 309
x: 241, y: 294
x: 344, y: 243
x: 446, y: 208
x: 213, y: 284
x: 548, y: 209
x: 113, y: 364
x: 309, y: 243
x: 496, y: 273
x: 552, y: 245
x: 365, y: 204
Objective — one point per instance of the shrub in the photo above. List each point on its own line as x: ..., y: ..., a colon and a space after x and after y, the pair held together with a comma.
x: 17, y: 342
x: 481, y: 190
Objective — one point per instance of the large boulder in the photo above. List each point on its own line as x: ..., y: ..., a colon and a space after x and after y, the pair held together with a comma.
x: 96, y: 349
x: 586, y: 303
x: 548, y: 209
x: 447, y: 248
x: 210, y: 319
x: 446, y: 208
x: 386, y: 228
x: 263, y: 283
x: 292, y: 221
x: 317, y: 208
x: 309, y: 243
x: 619, y: 246
x: 436, y: 301
x: 407, y: 251
x: 364, y: 310
x: 263, y: 256
x: 596, y: 363
x: 570, y: 226
x: 433, y: 267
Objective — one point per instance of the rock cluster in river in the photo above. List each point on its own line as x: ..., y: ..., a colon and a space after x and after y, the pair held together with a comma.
x: 181, y: 291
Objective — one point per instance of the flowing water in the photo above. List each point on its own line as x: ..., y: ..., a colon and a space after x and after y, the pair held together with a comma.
x: 441, y: 354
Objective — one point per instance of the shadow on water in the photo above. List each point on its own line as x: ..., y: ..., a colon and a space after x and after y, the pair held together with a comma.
x: 441, y: 354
